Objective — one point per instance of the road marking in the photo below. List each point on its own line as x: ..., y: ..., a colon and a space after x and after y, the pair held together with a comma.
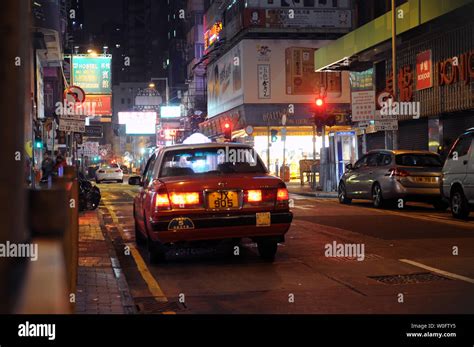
x: 416, y: 216
x: 150, y: 281
x: 438, y: 271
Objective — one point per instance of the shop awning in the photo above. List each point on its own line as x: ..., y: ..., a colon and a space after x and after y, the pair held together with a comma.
x: 411, y: 14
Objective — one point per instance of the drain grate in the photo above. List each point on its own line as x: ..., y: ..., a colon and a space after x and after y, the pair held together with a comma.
x: 151, y: 306
x: 420, y: 277
x: 367, y: 257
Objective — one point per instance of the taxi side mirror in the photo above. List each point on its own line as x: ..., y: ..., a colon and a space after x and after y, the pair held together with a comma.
x: 135, y: 181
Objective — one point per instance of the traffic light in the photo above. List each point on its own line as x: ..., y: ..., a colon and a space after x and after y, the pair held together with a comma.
x: 38, y: 142
x: 273, y: 135
x: 227, y: 131
x: 321, y: 116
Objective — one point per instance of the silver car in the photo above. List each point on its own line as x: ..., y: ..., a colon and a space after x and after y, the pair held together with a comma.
x: 385, y: 176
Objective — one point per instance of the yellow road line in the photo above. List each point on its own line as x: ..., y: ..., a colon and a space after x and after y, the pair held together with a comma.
x: 150, y: 281
x: 438, y: 271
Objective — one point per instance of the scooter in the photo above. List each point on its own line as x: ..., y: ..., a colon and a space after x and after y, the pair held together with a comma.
x: 89, y: 194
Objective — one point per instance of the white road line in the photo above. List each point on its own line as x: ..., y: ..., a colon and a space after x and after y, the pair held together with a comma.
x: 438, y: 271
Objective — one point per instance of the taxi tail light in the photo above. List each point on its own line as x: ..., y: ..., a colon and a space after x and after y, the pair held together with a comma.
x: 282, y: 194
x: 254, y: 195
x: 185, y: 199
x: 161, y: 200
x: 282, y: 198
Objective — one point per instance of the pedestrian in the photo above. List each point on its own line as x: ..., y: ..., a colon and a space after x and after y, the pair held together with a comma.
x: 59, y: 166
x: 47, y: 166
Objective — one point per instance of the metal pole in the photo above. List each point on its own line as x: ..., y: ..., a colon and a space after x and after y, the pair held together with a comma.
x: 394, y: 67
x: 268, y: 146
x: 314, y: 142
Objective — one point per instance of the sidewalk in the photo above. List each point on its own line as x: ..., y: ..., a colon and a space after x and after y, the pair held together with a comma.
x: 297, y: 188
x: 101, y: 288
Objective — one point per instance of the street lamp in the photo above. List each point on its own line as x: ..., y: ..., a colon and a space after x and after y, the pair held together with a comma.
x: 151, y: 85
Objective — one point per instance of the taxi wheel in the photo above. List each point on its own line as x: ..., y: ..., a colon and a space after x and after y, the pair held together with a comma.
x: 267, y: 249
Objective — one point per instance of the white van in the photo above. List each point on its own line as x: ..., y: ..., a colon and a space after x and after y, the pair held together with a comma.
x: 457, y: 183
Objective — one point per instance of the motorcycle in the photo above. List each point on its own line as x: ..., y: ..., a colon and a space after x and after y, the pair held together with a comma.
x: 89, y: 194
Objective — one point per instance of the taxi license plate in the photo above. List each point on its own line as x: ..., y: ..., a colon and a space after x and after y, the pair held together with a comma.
x: 263, y: 219
x: 223, y: 200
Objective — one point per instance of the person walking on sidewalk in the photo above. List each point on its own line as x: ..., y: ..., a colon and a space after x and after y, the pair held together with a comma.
x: 47, y: 166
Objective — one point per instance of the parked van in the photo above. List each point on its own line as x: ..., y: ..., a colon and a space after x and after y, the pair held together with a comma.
x: 457, y: 182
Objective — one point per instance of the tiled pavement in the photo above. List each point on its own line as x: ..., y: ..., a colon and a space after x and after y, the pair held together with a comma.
x: 101, y: 289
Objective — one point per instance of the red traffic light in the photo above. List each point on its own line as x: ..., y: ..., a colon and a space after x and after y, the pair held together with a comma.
x: 319, y: 102
x: 227, y: 125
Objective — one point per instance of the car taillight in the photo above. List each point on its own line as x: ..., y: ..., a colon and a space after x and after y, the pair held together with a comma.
x: 398, y: 172
x: 161, y: 200
x: 187, y: 199
x: 118, y: 170
x: 254, y: 195
x: 282, y: 194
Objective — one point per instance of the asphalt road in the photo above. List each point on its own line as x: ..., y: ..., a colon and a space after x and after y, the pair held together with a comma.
x: 416, y: 260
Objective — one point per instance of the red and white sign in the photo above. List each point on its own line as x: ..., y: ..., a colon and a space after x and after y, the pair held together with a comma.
x: 424, y: 70
x: 100, y: 104
x: 74, y: 95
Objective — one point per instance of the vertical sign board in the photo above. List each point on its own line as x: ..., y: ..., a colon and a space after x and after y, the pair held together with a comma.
x: 362, y: 95
x: 264, y: 87
x: 424, y: 70
x: 93, y: 74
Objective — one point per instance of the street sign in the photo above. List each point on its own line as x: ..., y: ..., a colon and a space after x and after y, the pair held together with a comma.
x: 385, y: 117
x: 386, y: 125
x: 91, y: 149
x: 74, y: 95
x: 94, y: 131
x: 76, y: 126
x: 363, y: 124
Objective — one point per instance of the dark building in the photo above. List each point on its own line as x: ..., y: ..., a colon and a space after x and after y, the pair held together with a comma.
x: 178, y: 16
x: 145, y: 27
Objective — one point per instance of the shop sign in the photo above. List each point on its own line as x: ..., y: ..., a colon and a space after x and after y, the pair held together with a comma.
x: 456, y: 69
x: 92, y: 74
x: 405, y: 83
x: 264, y: 87
x: 424, y: 70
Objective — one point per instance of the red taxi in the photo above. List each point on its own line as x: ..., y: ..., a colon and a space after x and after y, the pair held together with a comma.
x: 209, y: 192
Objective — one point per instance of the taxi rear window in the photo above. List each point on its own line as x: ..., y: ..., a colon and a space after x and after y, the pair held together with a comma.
x: 230, y: 160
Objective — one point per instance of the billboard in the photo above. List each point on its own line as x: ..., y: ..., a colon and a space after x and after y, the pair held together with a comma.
x: 224, y: 81
x: 138, y: 123
x: 170, y: 111
x: 282, y: 71
x: 102, y: 104
x: 93, y: 74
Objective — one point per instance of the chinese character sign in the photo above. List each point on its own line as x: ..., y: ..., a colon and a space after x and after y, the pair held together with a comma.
x: 424, y: 77
x: 93, y: 74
